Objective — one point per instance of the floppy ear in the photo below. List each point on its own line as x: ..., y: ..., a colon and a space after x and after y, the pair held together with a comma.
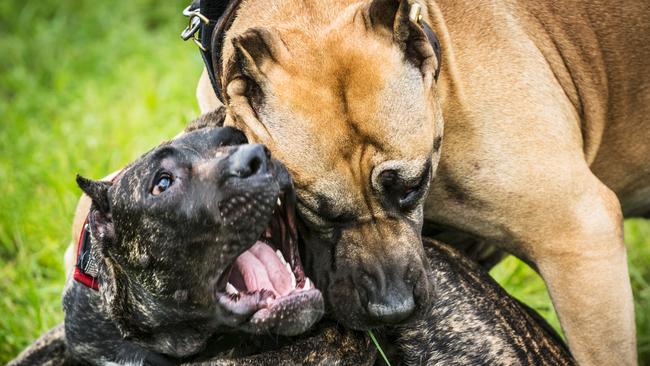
x: 257, y: 52
x: 391, y: 18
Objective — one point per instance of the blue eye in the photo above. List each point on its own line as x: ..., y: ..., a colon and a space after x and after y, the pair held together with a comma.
x: 162, y: 184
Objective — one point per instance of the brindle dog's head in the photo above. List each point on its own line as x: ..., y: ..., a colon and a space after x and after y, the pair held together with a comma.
x: 343, y: 93
x: 196, y: 236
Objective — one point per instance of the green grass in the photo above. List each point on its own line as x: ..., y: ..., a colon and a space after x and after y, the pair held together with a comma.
x: 85, y: 87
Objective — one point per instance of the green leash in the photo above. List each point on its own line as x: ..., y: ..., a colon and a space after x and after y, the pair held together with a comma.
x: 381, y: 351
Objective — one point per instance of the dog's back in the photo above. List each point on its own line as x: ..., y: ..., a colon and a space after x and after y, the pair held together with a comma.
x: 473, y: 321
x: 48, y: 350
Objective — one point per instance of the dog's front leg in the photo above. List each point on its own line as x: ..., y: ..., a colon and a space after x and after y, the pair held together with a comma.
x: 583, y: 262
x: 562, y: 219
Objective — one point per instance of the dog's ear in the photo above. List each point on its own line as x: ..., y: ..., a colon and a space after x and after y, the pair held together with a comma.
x: 99, y: 218
x: 97, y: 191
x: 390, y: 18
x: 102, y: 229
x: 257, y: 52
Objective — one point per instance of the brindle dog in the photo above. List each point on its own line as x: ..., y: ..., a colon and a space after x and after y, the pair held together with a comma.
x: 194, y: 238
x: 471, y: 321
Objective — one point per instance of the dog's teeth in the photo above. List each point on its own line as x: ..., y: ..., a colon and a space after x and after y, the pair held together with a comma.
x: 279, y: 202
x: 231, y: 289
x: 293, y: 277
x: 279, y: 254
x: 307, y: 284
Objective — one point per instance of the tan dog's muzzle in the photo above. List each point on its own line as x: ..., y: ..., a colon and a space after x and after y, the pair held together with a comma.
x: 372, y: 275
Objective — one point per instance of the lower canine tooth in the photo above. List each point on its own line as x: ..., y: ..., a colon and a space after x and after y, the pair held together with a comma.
x: 279, y: 254
x: 231, y: 289
x: 307, y: 285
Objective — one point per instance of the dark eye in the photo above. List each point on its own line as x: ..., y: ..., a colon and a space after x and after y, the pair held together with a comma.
x: 405, y: 193
x: 413, y: 193
x: 409, y: 194
x: 163, y: 182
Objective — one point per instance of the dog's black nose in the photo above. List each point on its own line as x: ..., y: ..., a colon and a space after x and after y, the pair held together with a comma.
x: 391, y: 311
x: 390, y: 298
x: 248, y: 160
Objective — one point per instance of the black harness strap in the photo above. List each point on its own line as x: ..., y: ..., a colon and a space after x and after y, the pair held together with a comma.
x: 204, y: 17
x: 211, y: 20
x: 216, y: 44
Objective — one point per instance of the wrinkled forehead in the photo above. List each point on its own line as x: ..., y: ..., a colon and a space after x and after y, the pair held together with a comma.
x: 204, y: 141
x: 363, y: 106
x: 348, y: 86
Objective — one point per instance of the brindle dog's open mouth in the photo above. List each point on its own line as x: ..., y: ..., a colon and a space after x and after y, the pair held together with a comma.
x: 268, y: 283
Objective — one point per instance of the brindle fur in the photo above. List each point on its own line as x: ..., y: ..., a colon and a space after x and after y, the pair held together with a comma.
x: 160, y: 256
x: 327, y: 344
x: 50, y: 349
x: 471, y: 321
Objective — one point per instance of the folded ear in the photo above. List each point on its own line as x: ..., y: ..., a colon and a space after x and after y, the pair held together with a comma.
x: 257, y: 52
x: 391, y: 18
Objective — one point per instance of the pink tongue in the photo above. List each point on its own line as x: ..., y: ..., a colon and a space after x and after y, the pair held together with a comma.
x: 261, y: 268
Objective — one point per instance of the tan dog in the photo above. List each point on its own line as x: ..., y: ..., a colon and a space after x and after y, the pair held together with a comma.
x: 545, y: 107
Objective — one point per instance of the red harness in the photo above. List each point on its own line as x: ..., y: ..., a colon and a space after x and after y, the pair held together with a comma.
x: 85, y: 270
x: 86, y: 267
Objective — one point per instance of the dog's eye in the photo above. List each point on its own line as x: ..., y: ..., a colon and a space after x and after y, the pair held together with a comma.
x: 410, y: 192
x: 163, y: 182
x: 397, y: 188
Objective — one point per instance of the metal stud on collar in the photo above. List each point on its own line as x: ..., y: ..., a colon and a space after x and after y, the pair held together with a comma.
x: 192, y: 29
x: 415, y: 14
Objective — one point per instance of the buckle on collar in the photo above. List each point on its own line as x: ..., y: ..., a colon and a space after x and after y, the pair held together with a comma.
x: 193, y: 28
x: 86, y: 268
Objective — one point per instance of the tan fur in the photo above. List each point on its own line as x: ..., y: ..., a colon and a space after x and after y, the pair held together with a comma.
x: 545, y: 109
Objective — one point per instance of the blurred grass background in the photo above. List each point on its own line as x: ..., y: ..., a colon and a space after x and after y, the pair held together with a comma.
x: 87, y: 86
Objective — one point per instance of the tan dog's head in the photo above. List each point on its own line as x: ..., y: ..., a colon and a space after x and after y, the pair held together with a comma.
x: 343, y: 93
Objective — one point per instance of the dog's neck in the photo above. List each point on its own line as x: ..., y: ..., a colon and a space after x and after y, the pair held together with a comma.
x: 137, y: 313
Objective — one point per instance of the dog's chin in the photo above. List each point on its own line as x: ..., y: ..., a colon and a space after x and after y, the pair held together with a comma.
x: 287, y: 315
x: 265, y: 290
x: 344, y: 304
